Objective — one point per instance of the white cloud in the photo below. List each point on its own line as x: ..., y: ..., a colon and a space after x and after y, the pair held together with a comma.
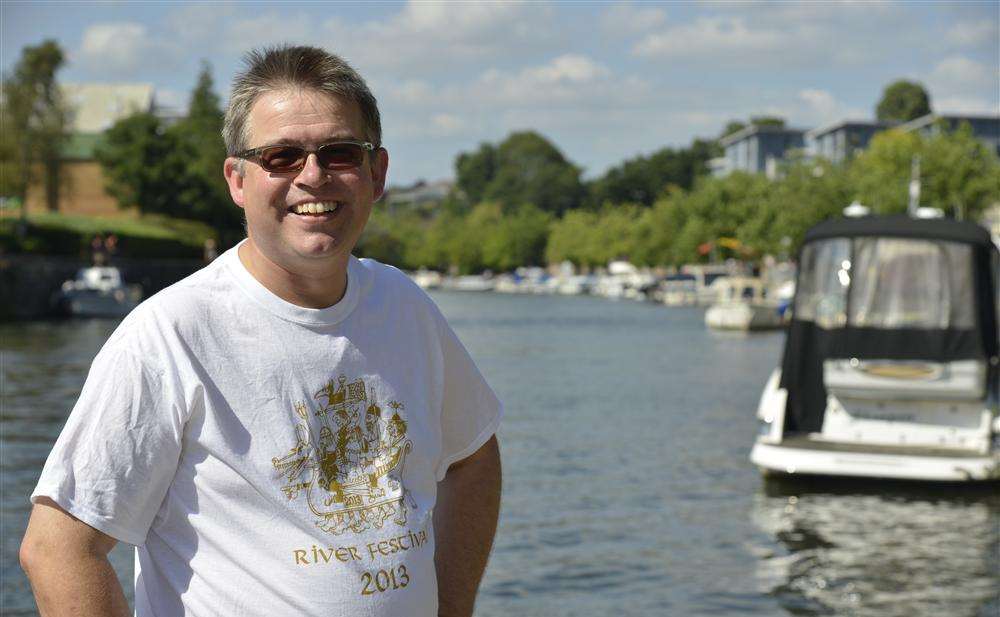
x: 567, y: 68
x: 270, y: 29
x: 447, y: 124
x: 709, y: 36
x: 121, y: 50
x: 961, y: 73
x: 963, y: 105
x: 436, y: 37
x: 626, y: 18
x: 974, y: 33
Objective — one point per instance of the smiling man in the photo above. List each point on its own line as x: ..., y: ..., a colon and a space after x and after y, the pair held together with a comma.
x: 291, y: 430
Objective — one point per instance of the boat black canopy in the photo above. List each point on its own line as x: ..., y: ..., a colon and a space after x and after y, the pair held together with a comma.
x: 848, y: 257
x: 902, y: 226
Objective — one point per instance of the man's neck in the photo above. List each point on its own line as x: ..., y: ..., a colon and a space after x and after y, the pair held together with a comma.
x: 305, y: 290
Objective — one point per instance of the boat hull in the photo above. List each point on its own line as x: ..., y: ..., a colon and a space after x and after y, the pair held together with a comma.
x: 743, y: 316
x: 857, y: 461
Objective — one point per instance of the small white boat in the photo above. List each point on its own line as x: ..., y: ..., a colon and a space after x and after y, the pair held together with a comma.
x: 98, y: 291
x: 427, y: 279
x: 469, y: 282
x: 743, y: 304
x: 891, y: 362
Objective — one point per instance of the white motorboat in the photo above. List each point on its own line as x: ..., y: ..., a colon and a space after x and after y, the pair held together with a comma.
x: 743, y: 304
x: 98, y: 291
x: 891, y: 361
x: 427, y: 279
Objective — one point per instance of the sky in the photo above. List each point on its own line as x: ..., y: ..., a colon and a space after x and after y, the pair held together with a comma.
x: 603, y: 81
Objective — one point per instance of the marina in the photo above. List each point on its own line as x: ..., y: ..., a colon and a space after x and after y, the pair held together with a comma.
x: 628, y: 488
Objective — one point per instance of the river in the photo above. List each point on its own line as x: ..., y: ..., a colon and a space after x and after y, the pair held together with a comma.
x: 627, y: 489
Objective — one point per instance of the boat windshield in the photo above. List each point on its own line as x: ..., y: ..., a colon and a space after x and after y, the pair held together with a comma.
x: 887, y: 283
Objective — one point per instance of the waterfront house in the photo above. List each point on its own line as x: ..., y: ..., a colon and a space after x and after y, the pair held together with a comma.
x: 758, y: 149
x: 95, y: 107
x: 984, y: 128
x: 840, y: 141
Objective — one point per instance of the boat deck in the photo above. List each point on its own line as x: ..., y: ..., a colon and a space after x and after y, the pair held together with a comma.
x: 804, y: 442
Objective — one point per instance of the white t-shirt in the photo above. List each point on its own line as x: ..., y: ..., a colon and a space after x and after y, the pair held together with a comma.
x: 268, y: 459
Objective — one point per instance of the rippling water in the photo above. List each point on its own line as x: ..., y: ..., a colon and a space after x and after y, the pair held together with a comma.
x: 627, y: 489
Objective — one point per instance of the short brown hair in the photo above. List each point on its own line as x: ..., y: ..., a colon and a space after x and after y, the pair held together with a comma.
x: 287, y: 66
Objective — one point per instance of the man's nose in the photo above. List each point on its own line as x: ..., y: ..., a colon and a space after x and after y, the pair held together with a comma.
x: 312, y: 173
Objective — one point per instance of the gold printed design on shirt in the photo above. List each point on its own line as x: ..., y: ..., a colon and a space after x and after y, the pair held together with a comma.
x: 351, y: 470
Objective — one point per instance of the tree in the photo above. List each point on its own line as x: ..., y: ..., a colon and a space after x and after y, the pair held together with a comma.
x: 767, y: 121
x: 517, y: 239
x: 35, y: 123
x: 731, y: 127
x: 199, y: 136
x: 958, y: 174
x: 474, y: 171
x: 146, y: 166
x: 903, y: 101
x: 523, y: 169
x: 643, y: 179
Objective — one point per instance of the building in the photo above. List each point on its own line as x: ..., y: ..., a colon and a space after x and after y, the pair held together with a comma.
x: 758, y: 149
x: 984, y: 128
x: 419, y: 193
x: 95, y: 107
x: 842, y: 140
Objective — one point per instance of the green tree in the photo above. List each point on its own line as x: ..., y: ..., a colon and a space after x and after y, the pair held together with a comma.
x: 474, y: 171
x: 643, y: 179
x: 36, y: 123
x: 574, y: 238
x: 958, y: 174
x: 517, y: 238
x: 731, y: 127
x: 146, y: 167
x: 767, y: 121
x: 903, y: 101
x: 199, y: 137
x: 525, y: 168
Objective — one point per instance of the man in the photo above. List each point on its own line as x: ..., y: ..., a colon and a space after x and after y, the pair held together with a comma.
x: 291, y: 430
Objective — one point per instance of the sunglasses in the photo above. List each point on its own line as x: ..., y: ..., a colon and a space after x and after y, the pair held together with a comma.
x: 337, y: 155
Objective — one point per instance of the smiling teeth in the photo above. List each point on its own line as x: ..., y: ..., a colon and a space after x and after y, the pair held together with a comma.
x: 315, y: 207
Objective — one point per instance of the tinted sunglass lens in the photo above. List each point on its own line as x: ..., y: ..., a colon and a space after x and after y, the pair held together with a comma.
x: 282, y: 158
x: 341, y: 156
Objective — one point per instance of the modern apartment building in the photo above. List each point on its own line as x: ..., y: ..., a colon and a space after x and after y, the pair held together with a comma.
x: 757, y: 149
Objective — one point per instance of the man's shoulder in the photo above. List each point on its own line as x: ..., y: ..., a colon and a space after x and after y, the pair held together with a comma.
x: 385, y: 278
x: 185, y: 302
x: 392, y: 290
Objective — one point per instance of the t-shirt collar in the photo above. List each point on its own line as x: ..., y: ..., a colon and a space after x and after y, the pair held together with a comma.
x: 292, y: 312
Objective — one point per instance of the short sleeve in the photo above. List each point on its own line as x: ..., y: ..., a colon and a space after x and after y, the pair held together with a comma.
x: 116, y: 456
x: 471, y: 411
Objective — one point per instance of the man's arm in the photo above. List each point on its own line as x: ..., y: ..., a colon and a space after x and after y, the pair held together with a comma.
x: 67, y: 563
x: 465, y: 520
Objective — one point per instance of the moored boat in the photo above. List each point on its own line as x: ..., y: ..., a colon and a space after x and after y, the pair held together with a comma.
x: 743, y: 304
x: 98, y: 291
x: 891, y: 361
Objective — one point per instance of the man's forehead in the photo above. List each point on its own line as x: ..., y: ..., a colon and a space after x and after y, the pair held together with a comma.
x: 285, y: 112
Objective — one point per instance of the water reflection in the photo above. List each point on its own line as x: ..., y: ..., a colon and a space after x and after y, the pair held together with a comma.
x: 880, y: 549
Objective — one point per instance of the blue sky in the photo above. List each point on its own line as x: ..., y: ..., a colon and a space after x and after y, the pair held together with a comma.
x: 603, y: 81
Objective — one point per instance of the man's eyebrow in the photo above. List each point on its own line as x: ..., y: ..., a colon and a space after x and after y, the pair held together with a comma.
x: 298, y: 142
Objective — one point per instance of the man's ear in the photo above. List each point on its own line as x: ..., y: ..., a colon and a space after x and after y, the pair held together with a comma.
x: 379, y: 168
x: 231, y: 170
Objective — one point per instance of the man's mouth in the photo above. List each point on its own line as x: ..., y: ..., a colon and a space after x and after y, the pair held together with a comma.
x: 315, y: 208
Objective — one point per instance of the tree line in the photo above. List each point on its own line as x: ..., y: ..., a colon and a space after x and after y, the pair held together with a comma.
x: 521, y: 201
x: 741, y: 215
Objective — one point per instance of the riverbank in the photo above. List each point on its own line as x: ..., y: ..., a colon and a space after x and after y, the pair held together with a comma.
x: 28, y: 282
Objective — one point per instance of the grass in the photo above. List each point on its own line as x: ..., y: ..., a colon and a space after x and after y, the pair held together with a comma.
x: 147, y: 236
x: 147, y: 226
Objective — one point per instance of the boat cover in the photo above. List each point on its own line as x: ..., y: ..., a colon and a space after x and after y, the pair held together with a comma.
x: 964, y: 333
